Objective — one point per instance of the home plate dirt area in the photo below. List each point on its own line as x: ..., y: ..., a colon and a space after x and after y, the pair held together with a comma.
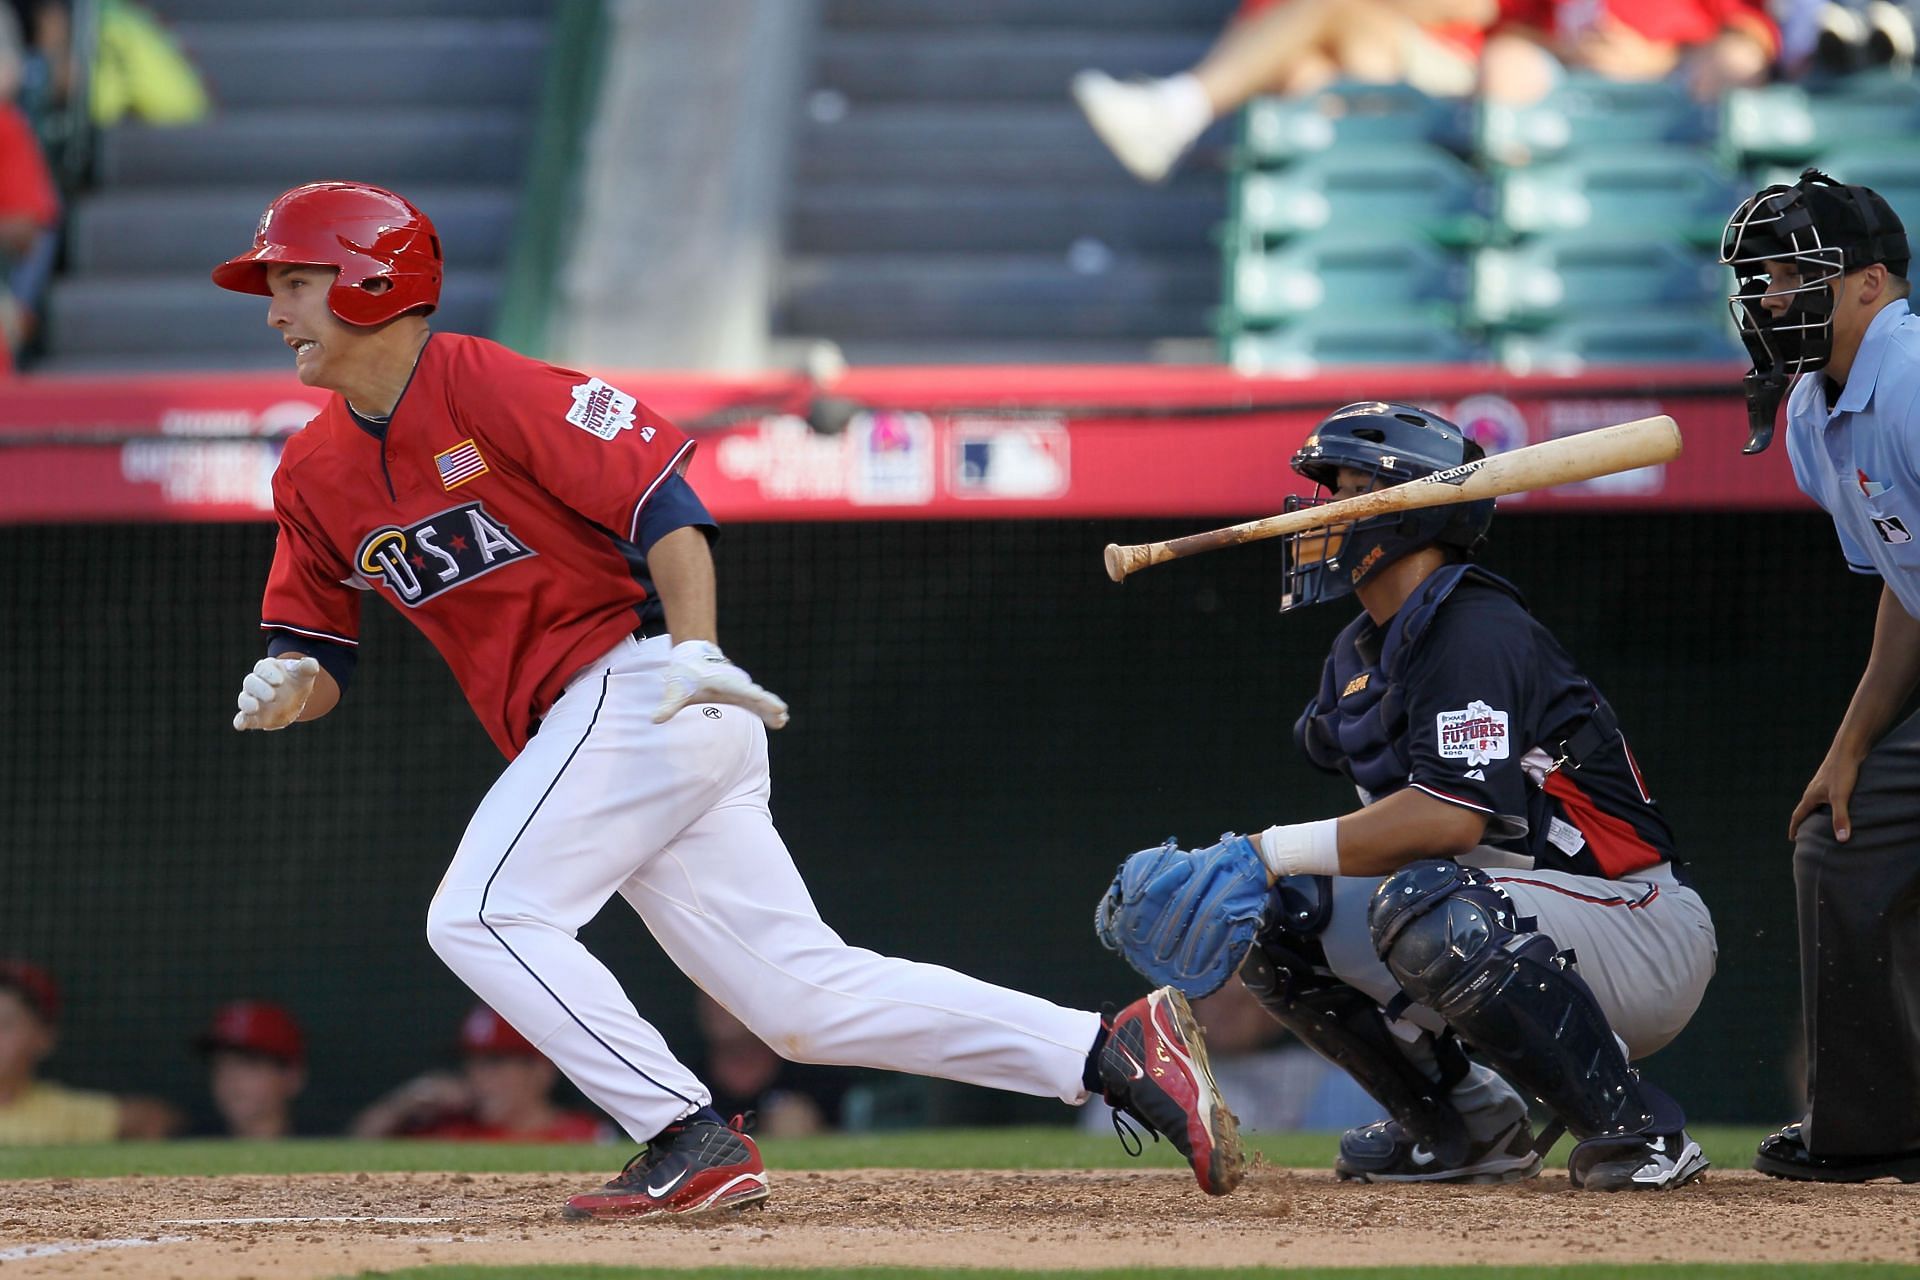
x: 314, y: 1225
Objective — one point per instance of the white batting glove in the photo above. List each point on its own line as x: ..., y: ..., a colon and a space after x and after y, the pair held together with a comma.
x: 699, y: 672
x: 275, y: 692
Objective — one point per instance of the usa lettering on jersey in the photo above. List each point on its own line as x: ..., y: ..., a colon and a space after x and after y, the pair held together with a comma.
x: 604, y: 411
x: 1476, y: 733
x: 439, y: 553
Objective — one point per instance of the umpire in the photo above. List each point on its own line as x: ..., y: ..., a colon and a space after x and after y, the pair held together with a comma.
x: 1822, y: 290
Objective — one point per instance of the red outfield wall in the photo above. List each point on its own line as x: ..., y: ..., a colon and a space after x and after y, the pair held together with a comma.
x: 943, y: 443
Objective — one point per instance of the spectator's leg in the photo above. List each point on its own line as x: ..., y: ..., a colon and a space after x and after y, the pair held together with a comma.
x: 1517, y: 69
x: 1150, y: 125
x: 1369, y: 40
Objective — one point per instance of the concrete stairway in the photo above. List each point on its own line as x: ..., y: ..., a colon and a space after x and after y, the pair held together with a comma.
x: 951, y: 203
x: 434, y: 98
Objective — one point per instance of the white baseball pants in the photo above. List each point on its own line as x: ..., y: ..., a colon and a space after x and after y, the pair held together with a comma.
x: 673, y: 817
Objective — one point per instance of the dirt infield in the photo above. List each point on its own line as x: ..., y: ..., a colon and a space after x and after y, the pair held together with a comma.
x: 329, y: 1225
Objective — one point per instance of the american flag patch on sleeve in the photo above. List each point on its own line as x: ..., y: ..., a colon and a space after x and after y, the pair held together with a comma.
x: 459, y: 464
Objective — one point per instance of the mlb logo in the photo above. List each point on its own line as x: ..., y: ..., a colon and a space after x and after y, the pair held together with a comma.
x: 1023, y: 460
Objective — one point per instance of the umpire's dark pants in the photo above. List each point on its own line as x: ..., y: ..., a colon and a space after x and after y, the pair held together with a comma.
x: 1859, y: 908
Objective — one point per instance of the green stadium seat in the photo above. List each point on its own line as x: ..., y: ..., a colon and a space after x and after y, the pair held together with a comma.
x: 1387, y: 191
x: 1893, y: 171
x: 1663, y: 191
x: 1696, y: 337
x: 1338, y: 272
x: 1557, y: 278
x: 1317, y: 342
x: 1280, y: 130
x: 1587, y: 112
x: 1785, y: 124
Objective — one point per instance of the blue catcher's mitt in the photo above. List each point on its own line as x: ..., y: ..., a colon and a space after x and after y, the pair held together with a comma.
x: 1184, y: 919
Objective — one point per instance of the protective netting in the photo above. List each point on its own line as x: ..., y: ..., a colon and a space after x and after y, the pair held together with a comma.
x: 983, y: 726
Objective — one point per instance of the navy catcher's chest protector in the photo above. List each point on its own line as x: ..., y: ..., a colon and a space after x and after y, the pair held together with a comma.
x: 1357, y: 724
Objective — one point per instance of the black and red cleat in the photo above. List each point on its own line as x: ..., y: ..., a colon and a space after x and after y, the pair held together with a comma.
x: 1154, y: 1068
x: 695, y: 1166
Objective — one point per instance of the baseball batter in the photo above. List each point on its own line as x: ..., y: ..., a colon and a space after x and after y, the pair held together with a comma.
x: 1507, y: 881
x: 536, y: 525
x: 1821, y: 269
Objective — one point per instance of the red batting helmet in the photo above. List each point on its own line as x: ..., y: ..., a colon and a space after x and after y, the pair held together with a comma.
x: 367, y: 232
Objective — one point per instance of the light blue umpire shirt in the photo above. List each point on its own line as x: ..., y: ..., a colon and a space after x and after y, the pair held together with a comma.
x: 1860, y: 458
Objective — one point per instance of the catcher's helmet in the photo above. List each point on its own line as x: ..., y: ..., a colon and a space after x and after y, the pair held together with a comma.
x: 367, y: 232
x: 1392, y: 443
x: 1824, y: 229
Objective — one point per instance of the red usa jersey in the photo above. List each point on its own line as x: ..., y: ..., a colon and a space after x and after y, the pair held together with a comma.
x: 498, y: 514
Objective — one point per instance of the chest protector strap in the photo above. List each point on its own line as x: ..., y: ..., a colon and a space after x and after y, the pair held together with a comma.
x: 1356, y: 724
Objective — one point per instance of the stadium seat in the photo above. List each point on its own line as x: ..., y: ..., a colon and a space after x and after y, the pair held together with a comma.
x: 1338, y: 272
x: 1279, y: 130
x: 1387, y: 190
x: 1586, y: 112
x: 1316, y: 342
x: 1666, y: 191
x: 1785, y: 124
x: 1557, y: 278
x: 1691, y: 336
x: 1892, y: 171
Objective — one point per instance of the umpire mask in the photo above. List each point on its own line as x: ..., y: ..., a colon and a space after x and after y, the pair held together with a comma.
x: 1788, y: 245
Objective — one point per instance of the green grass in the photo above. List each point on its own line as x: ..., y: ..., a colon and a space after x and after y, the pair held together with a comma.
x: 1006, y: 1148
x: 1594, y: 1271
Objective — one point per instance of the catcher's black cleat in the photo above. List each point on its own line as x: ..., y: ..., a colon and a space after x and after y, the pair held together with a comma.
x: 1385, y: 1152
x: 1785, y: 1155
x: 1636, y: 1162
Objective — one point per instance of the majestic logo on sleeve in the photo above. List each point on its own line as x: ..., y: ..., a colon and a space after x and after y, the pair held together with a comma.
x: 1476, y: 734
x: 603, y: 410
x: 438, y: 554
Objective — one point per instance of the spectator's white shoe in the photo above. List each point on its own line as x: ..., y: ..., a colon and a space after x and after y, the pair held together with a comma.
x: 1135, y: 122
x: 1890, y: 37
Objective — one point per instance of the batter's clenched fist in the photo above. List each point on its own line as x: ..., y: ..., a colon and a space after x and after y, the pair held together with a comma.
x: 699, y: 672
x: 275, y: 692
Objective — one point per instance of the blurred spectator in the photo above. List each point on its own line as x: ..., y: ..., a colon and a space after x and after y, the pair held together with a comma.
x: 1276, y: 1084
x: 1291, y: 47
x: 1838, y: 39
x: 1713, y: 45
x: 788, y: 1099
x: 37, y: 1112
x: 46, y: 31
x: 139, y: 70
x: 29, y: 206
x: 503, y: 1094
x: 256, y: 1066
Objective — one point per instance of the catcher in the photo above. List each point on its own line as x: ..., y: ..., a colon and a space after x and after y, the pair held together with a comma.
x: 1507, y: 883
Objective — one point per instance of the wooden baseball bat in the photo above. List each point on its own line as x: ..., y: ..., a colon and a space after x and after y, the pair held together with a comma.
x: 1567, y: 460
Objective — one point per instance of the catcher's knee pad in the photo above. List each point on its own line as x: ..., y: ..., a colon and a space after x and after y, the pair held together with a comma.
x: 1287, y: 972
x: 1455, y: 944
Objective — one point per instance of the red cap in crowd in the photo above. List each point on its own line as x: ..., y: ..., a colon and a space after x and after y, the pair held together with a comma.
x: 35, y: 985
x: 484, y: 1031
x: 254, y: 1026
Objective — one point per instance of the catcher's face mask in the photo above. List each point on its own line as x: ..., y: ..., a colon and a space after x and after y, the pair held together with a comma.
x: 1357, y: 449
